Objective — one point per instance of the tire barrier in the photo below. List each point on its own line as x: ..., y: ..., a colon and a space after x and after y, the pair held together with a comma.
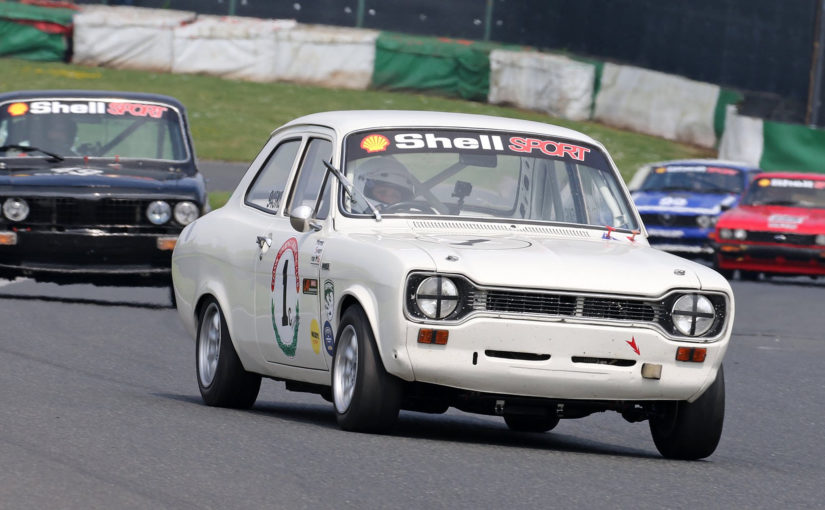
x: 627, y: 97
x: 773, y: 145
x: 34, y: 32
x: 553, y: 84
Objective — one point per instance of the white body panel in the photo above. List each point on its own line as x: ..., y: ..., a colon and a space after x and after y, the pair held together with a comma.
x: 366, y: 262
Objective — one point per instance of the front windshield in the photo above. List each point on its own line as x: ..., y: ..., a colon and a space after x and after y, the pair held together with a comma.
x: 91, y: 127
x: 787, y: 192
x: 694, y: 178
x: 483, y: 174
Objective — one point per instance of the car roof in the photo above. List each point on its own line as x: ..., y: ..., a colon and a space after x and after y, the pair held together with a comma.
x: 27, y: 95
x: 708, y: 161
x: 357, y: 120
x: 791, y: 175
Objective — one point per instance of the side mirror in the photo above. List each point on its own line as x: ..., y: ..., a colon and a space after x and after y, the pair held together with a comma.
x: 301, y: 219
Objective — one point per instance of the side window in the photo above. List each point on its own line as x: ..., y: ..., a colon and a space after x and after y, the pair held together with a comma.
x: 268, y: 188
x: 311, y: 177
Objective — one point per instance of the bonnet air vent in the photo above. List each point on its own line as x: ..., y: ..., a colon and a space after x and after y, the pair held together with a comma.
x: 497, y: 227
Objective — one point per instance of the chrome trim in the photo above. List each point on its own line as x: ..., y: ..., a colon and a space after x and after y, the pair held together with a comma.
x: 577, y: 317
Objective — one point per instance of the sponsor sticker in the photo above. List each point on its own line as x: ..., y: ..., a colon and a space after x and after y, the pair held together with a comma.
x: 329, y: 338
x: 284, y: 289
x: 375, y: 143
x: 674, y: 201
x: 87, y: 108
x: 316, y: 254
x: 315, y: 336
x: 17, y: 109
x: 785, y: 221
x: 311, y: 286
x: 398, y: 141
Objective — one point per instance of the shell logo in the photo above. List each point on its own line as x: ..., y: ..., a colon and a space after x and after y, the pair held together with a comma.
x: 764, y: 182
x: 375, y: 143
x: 661, y: 170
x: 17, y: 109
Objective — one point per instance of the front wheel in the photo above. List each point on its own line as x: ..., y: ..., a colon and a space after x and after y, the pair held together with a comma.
x: 366, y: 397
x: 727, y: 273
x: 691, y: 431
x: 222, y: 380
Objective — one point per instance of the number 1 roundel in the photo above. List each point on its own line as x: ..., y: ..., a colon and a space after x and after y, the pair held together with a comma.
x: 284, y: 300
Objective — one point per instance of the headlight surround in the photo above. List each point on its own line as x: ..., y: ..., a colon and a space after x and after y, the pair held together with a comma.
x: 725, y: 233
x: 693, y: 315
x: 16, y: 209
x: 820, y: 239
x: 158, y: 212
x: 436, y: 297
x: 740, y: 234
x: 186, y: 212
x: 705, y: 221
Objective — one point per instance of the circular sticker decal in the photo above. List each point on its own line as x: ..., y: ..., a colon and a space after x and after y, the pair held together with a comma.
x: 315, y: 336
x: 285, y: 290
x: 329, y: 338
x: 764, y: 182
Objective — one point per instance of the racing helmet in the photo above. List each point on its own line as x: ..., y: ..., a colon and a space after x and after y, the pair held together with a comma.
x: 385, y: 180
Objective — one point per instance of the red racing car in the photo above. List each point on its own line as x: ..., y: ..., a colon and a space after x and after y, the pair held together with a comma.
x: 777, y: 228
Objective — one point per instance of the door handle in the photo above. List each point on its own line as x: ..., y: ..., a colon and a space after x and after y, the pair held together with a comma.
x: 264, y: 243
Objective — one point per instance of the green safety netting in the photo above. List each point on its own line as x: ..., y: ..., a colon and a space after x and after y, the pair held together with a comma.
x: 452, y: 67
x: 34, y: 32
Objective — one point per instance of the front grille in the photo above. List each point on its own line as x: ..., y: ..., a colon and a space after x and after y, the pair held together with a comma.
x: 669, y: 220
x: 563, y: 305
x: 782, y: 237
x: 74, y: 212
x: 519, y: 302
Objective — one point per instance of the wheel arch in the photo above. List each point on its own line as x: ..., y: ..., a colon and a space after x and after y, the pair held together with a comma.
x: 395, y: 361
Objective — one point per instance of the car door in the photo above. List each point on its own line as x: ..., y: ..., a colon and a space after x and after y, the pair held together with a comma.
x: 287, y: 297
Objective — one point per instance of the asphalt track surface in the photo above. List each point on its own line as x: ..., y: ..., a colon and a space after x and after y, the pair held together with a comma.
x: 100, y: 409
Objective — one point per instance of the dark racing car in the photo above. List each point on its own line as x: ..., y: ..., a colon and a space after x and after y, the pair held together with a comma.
x: 94, y: 186
x: 680, y: 201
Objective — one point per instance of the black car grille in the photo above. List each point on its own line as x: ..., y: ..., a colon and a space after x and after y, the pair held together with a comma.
x: 669, y: 220
x: 632, y: 310
x: 782, y: 237
x: 73, y: 212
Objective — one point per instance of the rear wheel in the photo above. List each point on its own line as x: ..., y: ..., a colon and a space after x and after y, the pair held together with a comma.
x: 530, y: 423
x: 366, y: 397
x: 222, y: 380
x: 691, y: 431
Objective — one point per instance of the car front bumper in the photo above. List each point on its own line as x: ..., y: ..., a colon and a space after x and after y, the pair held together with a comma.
x: 88, y: 255
x: 555, y: 360
x: 774, y: 258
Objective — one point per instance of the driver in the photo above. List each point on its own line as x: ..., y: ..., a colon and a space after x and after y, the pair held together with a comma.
x: 57, y: 135
x: 386, y: 181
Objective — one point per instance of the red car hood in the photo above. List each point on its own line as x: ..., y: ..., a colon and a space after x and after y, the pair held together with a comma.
x: 774, y: 218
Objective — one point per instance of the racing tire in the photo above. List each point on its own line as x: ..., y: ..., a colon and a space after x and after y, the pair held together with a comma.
x: 365, y: 396
x: 691, y: 431
x: 749, y: 276
x: 530, y: 423
x: 222, y: 380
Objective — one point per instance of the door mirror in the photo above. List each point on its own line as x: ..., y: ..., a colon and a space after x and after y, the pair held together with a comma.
x: 301, y: 219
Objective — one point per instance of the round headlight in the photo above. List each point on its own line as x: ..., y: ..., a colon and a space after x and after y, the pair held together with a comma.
x: 693, y: 314
x: 704, y: 221
x: 158, y: 212
x: 740, y: 234
x: 820, y: 239
x: 725, y: 233
x: 16, y: 209
x: 436, y: 297
x: 186, y: 212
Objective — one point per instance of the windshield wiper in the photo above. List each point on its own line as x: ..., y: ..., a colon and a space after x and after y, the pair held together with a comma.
x: 28, y: 148
x: 351, y: 189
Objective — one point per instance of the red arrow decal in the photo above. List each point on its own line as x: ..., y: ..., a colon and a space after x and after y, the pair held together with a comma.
x: 632, y: 343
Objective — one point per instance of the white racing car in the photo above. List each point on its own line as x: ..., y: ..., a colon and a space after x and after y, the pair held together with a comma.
x: 395, y: 260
